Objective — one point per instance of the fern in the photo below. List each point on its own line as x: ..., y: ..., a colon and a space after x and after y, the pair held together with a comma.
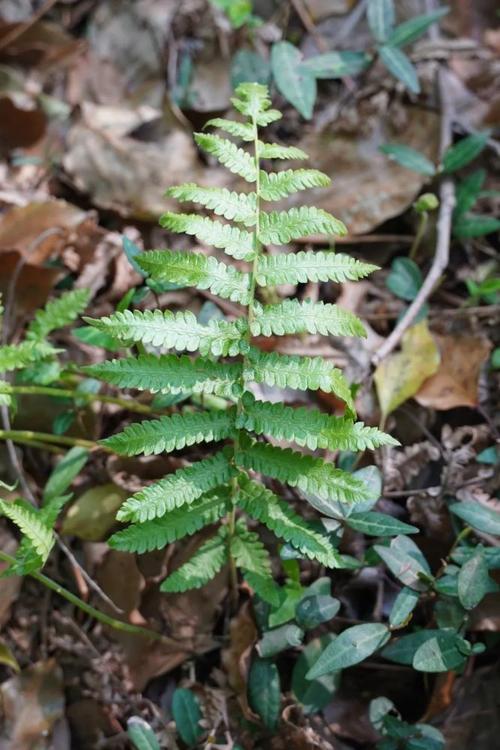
x: 263, y: 505
x: 177, y: 489
x: 172, y: 433
x: 17, y: 356
x: 221, y: 489
x: 292, y: 317
x: 58, y: 313
x: 309, y: 427
x: 31, y: 524
x: 178, y: 523
x: 304, y: 266
x: 240, y: 207
x: 280, y: 227
x: 202, y: 567
x: 169, y: 373
x: 195, y: 269
x: 169, y: 330
x: 277, y: 185
x: 310, y: 474
x: 235, y: 242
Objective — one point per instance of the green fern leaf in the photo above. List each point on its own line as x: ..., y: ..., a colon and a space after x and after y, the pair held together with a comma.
x: 234, y: 158
x: 234, y: 241
x: 17, y: 356
x: 174, y: 525
x: 301, y: 373
x: 275, y: 151
x: 180, y: 331
x: 264, y: 506
x: 201, y: 568
x: 304, y: 266
x: 26, y: 518
x: 177, y: 489
x: 309, y: 474
x: 294, y: 317
x: 280, y: 227
x: 239, y: 129
x: 196, y: 269
x: 169, y: 373
x: 172, y: 433
x: 248, y: 551
x: 309, y: 427
x: 277, y: 185
x: 58, y: 313
x: 252, y: 100
x: 234, y: 206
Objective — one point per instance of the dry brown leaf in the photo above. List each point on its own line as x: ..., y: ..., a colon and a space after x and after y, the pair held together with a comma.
x: 42, y: 43
x: 368, y: 188
x: 20, y: 127
x: 456, y: 381
x: 32, y: 702
x: 236, y: 658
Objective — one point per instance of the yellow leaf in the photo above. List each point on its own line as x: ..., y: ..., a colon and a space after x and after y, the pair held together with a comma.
x: 8, y: 658
x: 399, y: 376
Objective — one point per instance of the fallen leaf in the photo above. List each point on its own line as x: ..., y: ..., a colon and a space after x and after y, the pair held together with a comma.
x: 367, y: 187
x: 400, y: 375
x: 236, y: 658
x: 32, y: 703
x: 34, y: 284
x: 93, y: 514
x: 456, y: 381
x: 41, y: 44
x: 7, y: 657
x: 20, y: 127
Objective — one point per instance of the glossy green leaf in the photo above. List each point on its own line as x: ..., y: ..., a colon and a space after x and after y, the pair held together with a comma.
x: 314, y: 695
x: 381, y: 16
x: 405, y: 561
x: 467, y: 192
x: 403, y: 649
x: 315, y: 609
x: 473, y: 581
x: 403, y: 606
x: 461, y: 153
x: 408, y: 157
x: 264, y: 691
x: 294, y: 82
x: 350, y: 647
x: 141, y: 735
x: 379, y: 524
x: 336, y: 64
x: 279, y: 639
x: 478, y: 516
x: 187, y: 714
x: 404, y: 279
x: 441, y: 653
x: 414, y: 28
x: 475, y: 225
x: 400, y: 66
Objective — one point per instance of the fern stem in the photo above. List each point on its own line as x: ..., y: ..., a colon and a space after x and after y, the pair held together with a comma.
x: 257, y: 247
x: 87, y: 608
x: 29, y: 437
x: 38, y: 390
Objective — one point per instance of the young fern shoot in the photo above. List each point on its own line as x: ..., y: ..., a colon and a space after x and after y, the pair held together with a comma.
x: 226, y: 488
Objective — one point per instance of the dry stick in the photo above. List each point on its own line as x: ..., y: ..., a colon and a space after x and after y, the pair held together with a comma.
x: 441, y: 257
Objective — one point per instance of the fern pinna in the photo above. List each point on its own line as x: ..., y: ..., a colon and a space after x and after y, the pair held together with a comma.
x: 227, y: 487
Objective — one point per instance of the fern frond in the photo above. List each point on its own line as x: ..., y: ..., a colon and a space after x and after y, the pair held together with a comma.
x: 58, y: 313
x: 234, y: 206
x: 180, y: 331
x: 17, y: 356
x: 196, y: 269
x: 231, y: 156
x: 239, y: 129
x: 177, y: 489
x: 309, y: 474
x: 176, y: 524
x: 201, y: 568
x: 168, y: 373
x: 172, y: 433
x: 249, y: 552
x: 26, y: 518
x: 300, y: 373
x: 309, y: 265
x: 280, y: 227
x: 252, y: 100
x: 264, y: 506
x: 277, y: 185
x: 309, y: 427
x: 234, y: 241
x: 276, y: 151
x: 294, y: 317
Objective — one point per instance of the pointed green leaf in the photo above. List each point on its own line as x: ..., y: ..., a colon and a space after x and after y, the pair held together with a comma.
x: 478, y: 516
x: 29, y: 521
x: 58, y: 313
x: 460, y: 154
x: 473, y: 581
x: 381, y: 16
x: 336, y: 64
x: 350, y: 647
x: 294, y: 82
x: 379, y: 524
x: 264, y: 691
x: 409, y: 158
x: 400, y: 66
x: 414, y: 28
x: 187, y: 716
x: 314, y: 695
x: 204, y: 565
x: 403, y: 606
x: 443, y: 652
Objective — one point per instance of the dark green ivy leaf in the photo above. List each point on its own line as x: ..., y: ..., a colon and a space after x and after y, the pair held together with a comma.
x: 264, y: 691
x: 187, y: 715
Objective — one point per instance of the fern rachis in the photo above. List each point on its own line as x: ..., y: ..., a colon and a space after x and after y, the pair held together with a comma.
x: 225, y: 489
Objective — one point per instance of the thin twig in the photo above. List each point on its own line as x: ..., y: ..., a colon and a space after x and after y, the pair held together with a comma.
x: 441, y: 256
